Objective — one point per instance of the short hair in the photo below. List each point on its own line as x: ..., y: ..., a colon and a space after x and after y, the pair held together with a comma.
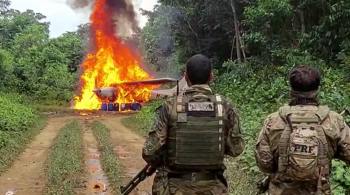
x: 304, y: 78
x: 198, y: 69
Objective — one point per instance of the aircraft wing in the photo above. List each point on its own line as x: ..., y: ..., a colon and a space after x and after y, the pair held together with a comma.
x: 160, y: 81
x: 167, y: 92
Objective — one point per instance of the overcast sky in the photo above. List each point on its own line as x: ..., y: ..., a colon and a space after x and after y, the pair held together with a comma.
x: 63, y: 18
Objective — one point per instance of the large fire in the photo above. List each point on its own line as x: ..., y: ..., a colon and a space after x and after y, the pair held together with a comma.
x: 112, y: 64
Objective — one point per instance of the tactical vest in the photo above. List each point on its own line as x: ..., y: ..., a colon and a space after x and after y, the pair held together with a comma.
x: 196, y: 134
x: 303, y: 147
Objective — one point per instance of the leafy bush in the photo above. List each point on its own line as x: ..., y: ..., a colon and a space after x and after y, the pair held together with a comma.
x: 16, y: 117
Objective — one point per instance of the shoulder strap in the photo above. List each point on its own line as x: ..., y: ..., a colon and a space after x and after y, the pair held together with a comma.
x: 284, y: 112
x: 180, y: 107
x: 322, y: 113
x: 220, y: 109
x: 179, y: 112
x: 176, y: 108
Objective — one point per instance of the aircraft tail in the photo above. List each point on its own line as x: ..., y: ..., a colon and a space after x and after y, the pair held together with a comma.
x: 161, y: 93
x: 182, y: 85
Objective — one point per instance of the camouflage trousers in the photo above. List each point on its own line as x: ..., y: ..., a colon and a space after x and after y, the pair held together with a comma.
x: 277, y: 187
x: 163, y: 185
x: 294, y: 192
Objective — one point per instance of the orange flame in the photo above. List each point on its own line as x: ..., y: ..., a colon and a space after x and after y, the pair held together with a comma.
x: 111, y: 65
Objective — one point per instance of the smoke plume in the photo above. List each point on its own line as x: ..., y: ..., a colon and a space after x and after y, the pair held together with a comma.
x: 79, y: 4
x: 124, y: 17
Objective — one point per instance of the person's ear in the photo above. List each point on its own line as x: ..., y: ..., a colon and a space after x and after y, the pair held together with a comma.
x: 211, y: 77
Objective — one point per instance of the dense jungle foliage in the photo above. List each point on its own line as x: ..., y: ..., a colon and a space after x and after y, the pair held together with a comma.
x: 253, y: 45
x: 32, y: 63
x: 33, y: 68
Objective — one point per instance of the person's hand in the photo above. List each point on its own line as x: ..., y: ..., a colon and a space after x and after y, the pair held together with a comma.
x: 150, y: 170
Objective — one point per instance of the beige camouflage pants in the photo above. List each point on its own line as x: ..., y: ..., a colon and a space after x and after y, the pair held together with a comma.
x: 294, y: 188
x: 174, y: 186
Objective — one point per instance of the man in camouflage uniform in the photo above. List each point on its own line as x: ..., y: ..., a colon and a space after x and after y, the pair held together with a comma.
x: 297, y: 143
x: 190, y: 135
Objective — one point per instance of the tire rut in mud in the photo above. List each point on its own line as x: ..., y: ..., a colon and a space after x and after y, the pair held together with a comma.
x: 26, y: 176
x: 128, y: 146
x: 95, y: 179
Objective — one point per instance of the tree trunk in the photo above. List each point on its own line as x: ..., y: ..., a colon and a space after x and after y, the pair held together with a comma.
x: 302, y: 20
x: 238, y: 45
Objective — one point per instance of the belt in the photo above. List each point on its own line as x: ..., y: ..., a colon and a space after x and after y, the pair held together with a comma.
x: 197, y: 176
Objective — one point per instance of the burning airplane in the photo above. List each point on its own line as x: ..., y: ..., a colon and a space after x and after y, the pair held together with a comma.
x: 109, y: 95
x: 112, y: 76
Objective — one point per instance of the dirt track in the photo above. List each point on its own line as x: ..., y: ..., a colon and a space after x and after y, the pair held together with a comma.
x: 27, y: 175
x: 128, y: 148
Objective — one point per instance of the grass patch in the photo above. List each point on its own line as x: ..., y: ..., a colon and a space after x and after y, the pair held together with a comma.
x: 241, y: 181
x: 130, y: 123
x: 141, y: 122
x: 52, y: 108
x: 17, y: 142
x: 65, y: 164
x: 109, y: 160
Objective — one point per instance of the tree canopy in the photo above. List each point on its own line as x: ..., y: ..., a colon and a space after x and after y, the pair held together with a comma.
x: 31, y: 62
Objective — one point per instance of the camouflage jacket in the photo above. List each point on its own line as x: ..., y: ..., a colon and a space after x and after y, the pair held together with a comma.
x: 266, y: 151
x: 152, y: 150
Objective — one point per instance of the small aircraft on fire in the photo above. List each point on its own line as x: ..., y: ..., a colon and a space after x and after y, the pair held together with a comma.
x: 109, y: 94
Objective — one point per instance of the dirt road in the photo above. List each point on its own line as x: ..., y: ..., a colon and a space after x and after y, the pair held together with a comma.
x: 26, y: 176
x: 128, y: 148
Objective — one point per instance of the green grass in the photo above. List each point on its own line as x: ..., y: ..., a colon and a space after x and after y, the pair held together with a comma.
x: 109, y: 160
x: 241, y: 181
x: 53, y: 108
x: 141, y: 122
x: 17, y: 142
x: 65, y: 164
x: 130, y: 123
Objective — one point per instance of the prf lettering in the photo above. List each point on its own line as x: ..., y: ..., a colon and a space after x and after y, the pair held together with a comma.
x: 303, y: 148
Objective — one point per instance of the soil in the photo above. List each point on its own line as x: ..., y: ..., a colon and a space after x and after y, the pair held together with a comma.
x: 129, y: 149
x: 26, y: 176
